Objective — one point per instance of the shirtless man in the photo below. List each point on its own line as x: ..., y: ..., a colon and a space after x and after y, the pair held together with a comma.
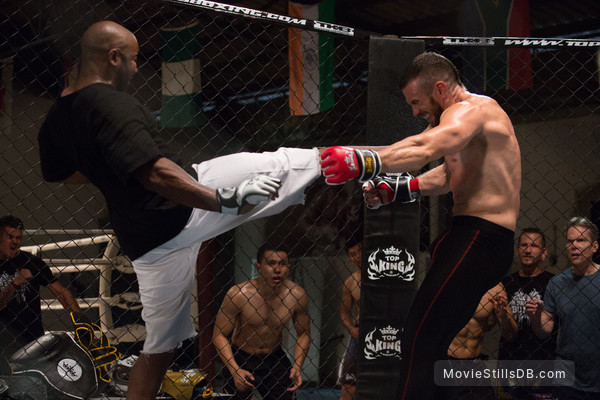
x: 350, y: 316
x: 468, y: 344
x: 256, y: 312
x: 482, y: 169
x: 493, y: 308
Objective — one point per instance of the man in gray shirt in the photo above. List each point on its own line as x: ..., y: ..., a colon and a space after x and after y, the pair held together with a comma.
x: 572, y: 301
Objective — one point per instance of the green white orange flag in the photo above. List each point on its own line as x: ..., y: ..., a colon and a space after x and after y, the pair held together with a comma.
x: 311, y: 60
x: 181, y: 83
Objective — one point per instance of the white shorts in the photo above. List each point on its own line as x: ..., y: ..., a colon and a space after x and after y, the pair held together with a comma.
x: 165, y: 274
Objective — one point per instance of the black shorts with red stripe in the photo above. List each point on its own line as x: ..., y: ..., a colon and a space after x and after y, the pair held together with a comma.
x: 470, y: 258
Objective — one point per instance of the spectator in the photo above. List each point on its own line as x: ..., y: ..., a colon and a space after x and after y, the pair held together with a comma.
x: 254, y: 313
x: 21, y: 276
x: 350, y: 316
x: 572, y: 303
x: 529, y: 282
x: 468, y: 344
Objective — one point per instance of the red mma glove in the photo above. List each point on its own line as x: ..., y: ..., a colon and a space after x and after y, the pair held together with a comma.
x: 340, y: 164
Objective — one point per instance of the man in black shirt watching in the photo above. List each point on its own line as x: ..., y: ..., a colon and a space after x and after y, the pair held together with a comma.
x: 97, y: 133
x: 529, y: 282
x: 21, y: 276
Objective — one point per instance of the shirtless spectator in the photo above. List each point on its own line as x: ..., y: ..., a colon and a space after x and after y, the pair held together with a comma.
x: 468, y: 344
x: 255, y: 313
x: 350, y: 315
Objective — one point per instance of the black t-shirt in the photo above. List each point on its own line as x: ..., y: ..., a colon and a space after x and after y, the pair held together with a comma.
x: 107, y: 135
x: 21, y: 319
x: 527, y: 346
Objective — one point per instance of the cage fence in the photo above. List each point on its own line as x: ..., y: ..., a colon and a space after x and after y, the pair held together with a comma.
x: 220, y: 84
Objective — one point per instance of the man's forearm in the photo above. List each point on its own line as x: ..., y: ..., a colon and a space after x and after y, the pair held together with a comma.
x: 508, y: 328
x: 347, y: 321
x: 410, y: 154
x: 434, y: 182
x: 225, y: 353
x: 349, y: 326
x: 301, y: 350
x: 539, y: 331
x: 64, y: 296
x: 69, y: 303
x: 542, y: 327
x: 169, y: 180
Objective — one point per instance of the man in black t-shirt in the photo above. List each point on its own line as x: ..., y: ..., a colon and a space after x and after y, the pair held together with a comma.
x: 21, y: 276
x: 97, y: 133
x: 527, y: 283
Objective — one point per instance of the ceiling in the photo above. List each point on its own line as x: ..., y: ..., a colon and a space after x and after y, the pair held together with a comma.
x: 38, y: 26
x: 412, y: 18
x: 27, y: 19
x: 548, y: 18
x: 441, y: 17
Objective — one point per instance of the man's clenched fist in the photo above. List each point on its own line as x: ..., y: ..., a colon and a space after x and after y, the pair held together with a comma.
x: 340, y: 164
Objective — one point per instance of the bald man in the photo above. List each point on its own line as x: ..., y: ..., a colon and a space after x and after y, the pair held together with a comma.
x: 98, y: 133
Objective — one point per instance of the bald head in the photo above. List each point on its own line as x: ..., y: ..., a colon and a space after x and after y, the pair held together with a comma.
x: 103, y: 36
x: 108, y: 55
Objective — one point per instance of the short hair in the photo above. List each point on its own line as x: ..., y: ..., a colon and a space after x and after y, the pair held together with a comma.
x: 12, y: 221
x: 430, y: 67
x: 534, y: 229
x: 273, y: 246
x: 586, y: 223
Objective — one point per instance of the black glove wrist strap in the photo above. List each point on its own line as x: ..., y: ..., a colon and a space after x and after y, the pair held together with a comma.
x: 227, y: 198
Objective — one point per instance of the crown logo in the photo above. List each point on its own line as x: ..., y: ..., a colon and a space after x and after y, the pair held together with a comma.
x: 392, y: 251
x: 388, y: 330
x: 350, y: 161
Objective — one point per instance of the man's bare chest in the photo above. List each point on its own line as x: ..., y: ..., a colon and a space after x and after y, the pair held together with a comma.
x: 266, y: 313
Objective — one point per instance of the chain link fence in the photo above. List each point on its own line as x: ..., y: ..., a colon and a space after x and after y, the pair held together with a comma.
x: 220, y: 84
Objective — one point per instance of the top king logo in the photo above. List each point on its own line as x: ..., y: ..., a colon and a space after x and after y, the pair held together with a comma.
x: 391, y: 262
x: 383, y: 342
x: 349, y: 159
